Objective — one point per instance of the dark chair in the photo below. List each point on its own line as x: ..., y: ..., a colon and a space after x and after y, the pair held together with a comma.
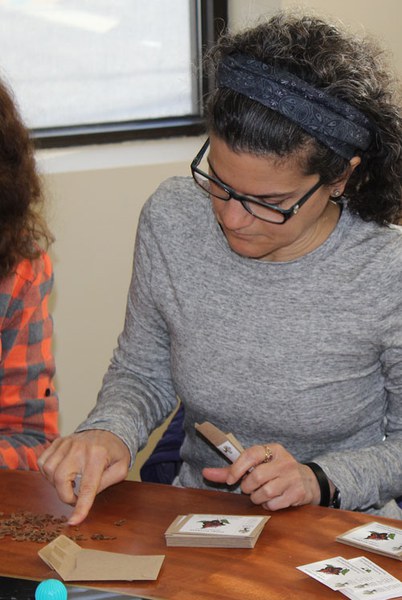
x: 164, y: 463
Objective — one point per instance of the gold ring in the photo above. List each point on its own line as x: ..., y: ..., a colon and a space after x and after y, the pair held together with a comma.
x: 268, y: 454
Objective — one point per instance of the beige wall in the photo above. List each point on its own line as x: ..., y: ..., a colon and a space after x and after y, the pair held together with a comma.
x: 95, y: 196
x: 383, y: 19
x: 94, y: 213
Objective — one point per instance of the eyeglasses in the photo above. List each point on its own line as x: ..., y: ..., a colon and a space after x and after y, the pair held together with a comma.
x: 252, y: 204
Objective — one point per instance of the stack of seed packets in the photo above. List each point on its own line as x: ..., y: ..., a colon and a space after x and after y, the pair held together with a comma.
x: 215, y: 531
x: 375, y: 537
x: 356, y: 578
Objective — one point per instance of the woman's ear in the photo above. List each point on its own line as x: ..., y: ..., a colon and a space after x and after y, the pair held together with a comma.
x: 353, y: 163
x: 338, y: 187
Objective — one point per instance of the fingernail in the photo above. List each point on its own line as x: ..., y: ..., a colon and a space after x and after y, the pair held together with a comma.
x: 77, y: 484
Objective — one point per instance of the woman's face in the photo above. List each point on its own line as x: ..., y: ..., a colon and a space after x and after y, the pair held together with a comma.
x: 282, y: 181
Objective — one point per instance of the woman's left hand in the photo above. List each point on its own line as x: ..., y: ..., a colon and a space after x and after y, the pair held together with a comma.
x: 271, y: 476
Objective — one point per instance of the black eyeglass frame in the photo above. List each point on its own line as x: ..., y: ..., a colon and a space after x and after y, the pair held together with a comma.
x: 246, y: 200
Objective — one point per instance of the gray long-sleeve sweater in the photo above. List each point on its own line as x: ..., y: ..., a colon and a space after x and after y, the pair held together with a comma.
x: 306, y: 353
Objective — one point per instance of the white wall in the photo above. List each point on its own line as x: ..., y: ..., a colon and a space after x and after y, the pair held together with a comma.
x: 95, y: 196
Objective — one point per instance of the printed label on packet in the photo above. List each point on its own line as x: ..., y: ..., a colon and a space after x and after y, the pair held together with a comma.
x: 381, y: 586
x: 376, y: 536
x: 222, y: 525
x: 229, y: 451
x: 356, y: 579
x: 335, y: 572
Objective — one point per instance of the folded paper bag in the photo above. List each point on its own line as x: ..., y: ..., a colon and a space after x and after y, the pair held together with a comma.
x: 74, y: 563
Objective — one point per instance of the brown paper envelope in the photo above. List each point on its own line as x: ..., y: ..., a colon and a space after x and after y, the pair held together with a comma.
x: 235, y: 442
x: 74, y: 563
x: 217, y: 437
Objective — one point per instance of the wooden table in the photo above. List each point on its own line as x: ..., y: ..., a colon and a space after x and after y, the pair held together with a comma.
x: 291, y: 537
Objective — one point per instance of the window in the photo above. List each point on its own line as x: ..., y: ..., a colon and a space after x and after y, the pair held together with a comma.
x: 90, y: 71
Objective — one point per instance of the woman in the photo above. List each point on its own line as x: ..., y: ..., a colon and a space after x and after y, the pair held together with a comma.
x: 28, y: 403
x: 266, y: 292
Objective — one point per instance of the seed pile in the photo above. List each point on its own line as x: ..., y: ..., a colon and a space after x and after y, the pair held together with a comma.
x: 43, y: 528
x: 26, y: 526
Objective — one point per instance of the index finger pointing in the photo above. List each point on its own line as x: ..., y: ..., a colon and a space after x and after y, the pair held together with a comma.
x: 86, y: 494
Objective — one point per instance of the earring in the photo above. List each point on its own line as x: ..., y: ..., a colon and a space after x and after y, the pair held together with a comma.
x: 336, y: 194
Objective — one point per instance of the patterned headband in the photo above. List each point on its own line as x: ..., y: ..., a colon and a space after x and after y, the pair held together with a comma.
x: 332, y: 121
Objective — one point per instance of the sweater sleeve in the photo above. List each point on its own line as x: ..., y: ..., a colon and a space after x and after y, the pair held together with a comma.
x: 370, y: 477
x: 28, y: 402
x: 137, y: 392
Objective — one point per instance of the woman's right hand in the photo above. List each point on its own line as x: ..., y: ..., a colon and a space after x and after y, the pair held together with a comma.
x: 98, y: 457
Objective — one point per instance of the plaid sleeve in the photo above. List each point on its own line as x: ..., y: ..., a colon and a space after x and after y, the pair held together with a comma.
x: 28, y: 402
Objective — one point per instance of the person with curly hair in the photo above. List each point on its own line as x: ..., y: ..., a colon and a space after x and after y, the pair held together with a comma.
x: 266, y: 290
x: 28, y: 402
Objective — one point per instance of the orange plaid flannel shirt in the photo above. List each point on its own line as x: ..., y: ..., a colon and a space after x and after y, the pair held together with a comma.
x: 28, y: 403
